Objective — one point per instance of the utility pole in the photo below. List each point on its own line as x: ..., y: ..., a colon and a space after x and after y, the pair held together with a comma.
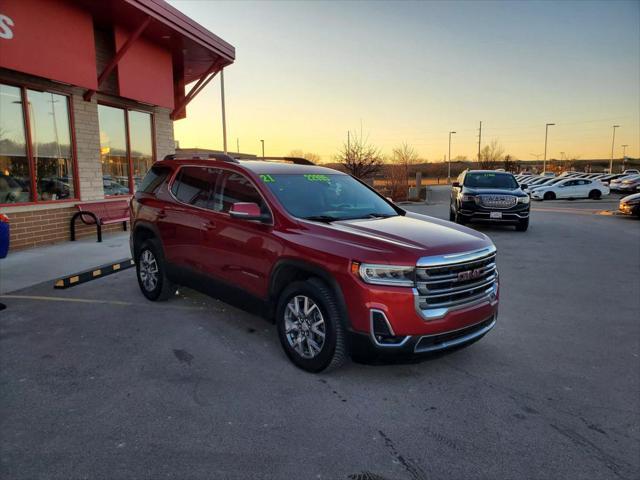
x: 546, y: 134
x: 262, y: 141
x: 238, y: 145
x: 449, y: 166
x: 624, y: 151
x: 348, y: 142
x: 479, y: 140
x: 613, y: 142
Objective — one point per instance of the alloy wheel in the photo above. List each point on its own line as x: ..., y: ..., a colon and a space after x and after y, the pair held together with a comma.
x: 148, y: 270
x: 305, y: 328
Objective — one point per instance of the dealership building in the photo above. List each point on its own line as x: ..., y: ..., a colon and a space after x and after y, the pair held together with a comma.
x: 89, y: 91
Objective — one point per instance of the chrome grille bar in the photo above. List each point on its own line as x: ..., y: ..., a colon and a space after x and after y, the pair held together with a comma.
x: 447, y: 282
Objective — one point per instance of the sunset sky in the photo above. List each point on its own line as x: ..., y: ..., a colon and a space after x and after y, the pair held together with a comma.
x: 307, y: 72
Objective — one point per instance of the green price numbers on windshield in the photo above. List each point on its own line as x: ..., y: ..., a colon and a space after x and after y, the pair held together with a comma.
x: 267, y: 179
x: 317, y: 178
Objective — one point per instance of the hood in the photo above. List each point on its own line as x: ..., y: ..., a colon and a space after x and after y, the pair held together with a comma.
x: 402, y: 238
x: 630, y: 198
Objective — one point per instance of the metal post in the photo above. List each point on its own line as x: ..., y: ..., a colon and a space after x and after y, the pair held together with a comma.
x: 224, y: 117
x: 238, y: 144
x: 479, y: 140
x: 613, y: 141
x: 262, y: 141
x: 546, y: 134
x: 449, y: 166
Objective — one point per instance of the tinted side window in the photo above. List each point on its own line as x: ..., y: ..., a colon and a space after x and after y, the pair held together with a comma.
x: 193, y: 185
x: 153, y: 179
x: 237, y: 188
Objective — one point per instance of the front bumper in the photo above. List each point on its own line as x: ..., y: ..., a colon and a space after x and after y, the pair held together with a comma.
x: 473, y: 212
x: 361, y: 344
x: 629, y: 209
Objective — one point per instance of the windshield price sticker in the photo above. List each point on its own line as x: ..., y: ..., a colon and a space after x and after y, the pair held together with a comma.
x: 267, y: 179
x: 317, y: 178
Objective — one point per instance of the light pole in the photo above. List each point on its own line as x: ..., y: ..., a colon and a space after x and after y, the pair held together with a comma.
x: 449, y: 169
x: 613, y: 142
x: 546, y: 134
x: 262, y: 141
x: 624, y: 151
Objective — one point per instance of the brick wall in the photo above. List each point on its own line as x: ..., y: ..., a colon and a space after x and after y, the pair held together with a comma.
x: 165, y: 143
x: 43, y: 227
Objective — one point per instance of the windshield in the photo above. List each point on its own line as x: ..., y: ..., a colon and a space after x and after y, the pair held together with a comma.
x: 490, y: 180
x: 326, y: 197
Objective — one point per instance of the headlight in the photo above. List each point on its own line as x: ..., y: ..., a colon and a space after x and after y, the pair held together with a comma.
x: 396, y: 275
x: 468, y: 198
x: 523, y: 199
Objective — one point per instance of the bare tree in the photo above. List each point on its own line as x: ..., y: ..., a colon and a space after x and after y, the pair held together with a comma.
x: 313, y: 157
x: 509, y: 164
x: 491, y: 155
x: 359, y: 158
x: 403, y: 157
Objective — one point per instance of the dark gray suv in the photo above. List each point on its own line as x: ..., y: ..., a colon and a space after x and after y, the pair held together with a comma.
x: 489, y: 196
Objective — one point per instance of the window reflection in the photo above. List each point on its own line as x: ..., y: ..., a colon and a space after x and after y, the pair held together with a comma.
x: 15, y: 181
x: 51, y: 145
x: 141, y: 145
x: 113, y: 150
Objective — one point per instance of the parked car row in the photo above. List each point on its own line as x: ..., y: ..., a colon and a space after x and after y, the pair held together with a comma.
x: 563, y: 186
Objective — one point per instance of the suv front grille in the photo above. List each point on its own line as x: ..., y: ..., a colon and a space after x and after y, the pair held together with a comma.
x: 443, y: 286
x: 497, y: 201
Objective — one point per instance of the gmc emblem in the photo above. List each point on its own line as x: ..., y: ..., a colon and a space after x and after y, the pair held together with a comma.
x: 469, y: 274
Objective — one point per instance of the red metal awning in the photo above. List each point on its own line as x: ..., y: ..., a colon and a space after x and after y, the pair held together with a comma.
x: 196, y: 52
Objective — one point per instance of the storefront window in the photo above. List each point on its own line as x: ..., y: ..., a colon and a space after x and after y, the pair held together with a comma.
x: 113, y: 150
x: 51, y: 145
x: 15, y: 180
x: 122, y: 163
x: 141, y: 145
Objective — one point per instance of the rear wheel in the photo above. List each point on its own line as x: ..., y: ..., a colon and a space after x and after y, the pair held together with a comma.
x: 452, y: 215
x: 152, y: 273
x: 522, y: 225
x: 310, y: 326
x: 595, y: 194
x: 549, y: 196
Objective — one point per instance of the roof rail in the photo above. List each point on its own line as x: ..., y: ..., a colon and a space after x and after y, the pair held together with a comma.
x: 208, y: 156
x: 296, y: 160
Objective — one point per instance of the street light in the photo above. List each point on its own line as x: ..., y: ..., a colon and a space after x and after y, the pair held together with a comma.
x: 262, y: 141
x: 613, y: 141
x: 546, y: 134
x: 449, y: 169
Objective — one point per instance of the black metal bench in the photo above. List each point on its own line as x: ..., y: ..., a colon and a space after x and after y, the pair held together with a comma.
x: 101, y: 213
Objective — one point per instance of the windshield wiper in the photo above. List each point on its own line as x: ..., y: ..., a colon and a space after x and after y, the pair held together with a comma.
x: 321, y: 218
x: 379, y: 215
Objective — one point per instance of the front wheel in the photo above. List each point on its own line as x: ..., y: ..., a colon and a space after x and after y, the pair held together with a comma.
x: 522, y: 225
x: 595, y: 194
x: 310, y: 326
x: 549, y: 196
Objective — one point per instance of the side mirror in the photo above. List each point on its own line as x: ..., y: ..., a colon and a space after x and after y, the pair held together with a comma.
x: 247, y: 211
x: 389, y: 199
x: 455, y: 184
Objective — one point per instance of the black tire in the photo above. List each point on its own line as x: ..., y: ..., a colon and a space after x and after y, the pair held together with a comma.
x: 459, y: 219
x: 163, y: 288
x: 549, y: 196
x: 452, y: 215
x: 595, y: 194
x: 333, y: 351
x: 522, y: 225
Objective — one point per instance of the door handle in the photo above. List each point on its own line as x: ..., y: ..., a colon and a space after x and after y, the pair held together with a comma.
x: 209, y: 225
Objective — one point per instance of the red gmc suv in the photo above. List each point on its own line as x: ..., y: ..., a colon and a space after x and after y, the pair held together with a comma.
x: 341, y: 269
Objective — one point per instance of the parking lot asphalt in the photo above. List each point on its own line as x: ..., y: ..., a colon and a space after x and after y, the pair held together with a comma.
x: 96, y: 382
